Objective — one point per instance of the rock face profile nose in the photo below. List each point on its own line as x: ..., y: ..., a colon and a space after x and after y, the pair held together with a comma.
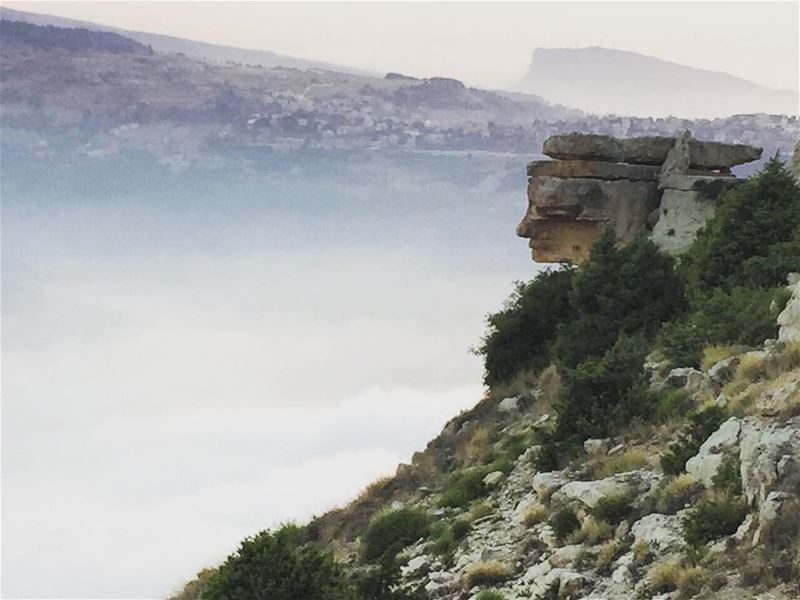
x: 668, y: 184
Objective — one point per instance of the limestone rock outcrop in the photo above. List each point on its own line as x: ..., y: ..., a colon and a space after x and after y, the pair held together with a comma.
x: 598, y: 181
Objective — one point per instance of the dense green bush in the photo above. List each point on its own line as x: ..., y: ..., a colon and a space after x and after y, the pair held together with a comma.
x: 753, y: 240
x: 490, y: 595
x: 520, y: 335
x: 275, y: 566
x: 670, y: 404
x: 712, y: 519
x: 728, y: 478
x: 464, y: 487
x: 702, y: 424
x: 446, y: 536
x: 603, y: 392
x: 390, y: 532
x: 737, y: 316
x: 630, y: 290
x: 564, y: 522
x: 613, y: 509
x: 381, y: 581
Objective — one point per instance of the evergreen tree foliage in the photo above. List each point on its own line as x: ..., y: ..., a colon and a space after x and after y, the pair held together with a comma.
x: 603, y: 392
x: 521, y: 334
x: 275, y: 566
x: 753, y: 240
x: 630, y: 290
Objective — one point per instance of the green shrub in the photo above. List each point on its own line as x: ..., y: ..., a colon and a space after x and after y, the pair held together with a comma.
x: 464, y: 487
x: 490, y: 595
x: 461, y: 529
x: 381, y: 581
x: 728, y: 478
x: 677, y: 493
x: 670, y: 404
x: 613, y: 508
x: 564, y: 522
x: 391, y: 531
x: 702, y: 423
x: 520, y: 335
x: 603, y: 393
x: 629, y: 290
x: 446, y: 536
x: 753, y: 240
x: 713, y: 518
x: 591, y: 532
x: 740, y: 316
x: 274, y: 566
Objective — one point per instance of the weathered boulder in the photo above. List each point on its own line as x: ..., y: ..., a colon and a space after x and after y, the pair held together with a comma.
x: 770, y: 459
x: 696, y: 383
x: 596, y: 447
x: 647, y: 150
x: 493, y: 478
x: 681, y: 215
x: 721, y: 372
x: 772, y: 509
x: 789, y: 319
x: 704, y: 465
x: 419, y: 565
x: 507, y: 405
x: 544, y: 484
x: 662, y: 532
x: 590, y: 493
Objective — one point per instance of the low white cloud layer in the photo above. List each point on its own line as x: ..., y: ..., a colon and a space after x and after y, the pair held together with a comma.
x: 159, y: 405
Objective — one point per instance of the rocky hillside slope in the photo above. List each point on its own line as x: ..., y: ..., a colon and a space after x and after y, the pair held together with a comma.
x: 611, y: 524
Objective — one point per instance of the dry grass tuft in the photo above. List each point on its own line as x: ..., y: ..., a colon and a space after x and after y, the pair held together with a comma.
x: 592, y: 532
x: 486, y: 573
x: 714, y: 354
x: 611, y: 465
x: 534, y: 514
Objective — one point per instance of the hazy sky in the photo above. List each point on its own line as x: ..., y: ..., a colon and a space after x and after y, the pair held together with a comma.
x: 486, y: 43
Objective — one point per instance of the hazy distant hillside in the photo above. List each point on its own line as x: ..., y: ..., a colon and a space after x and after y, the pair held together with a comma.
x: 165, y: 43
x: 607, y: 81
x: 69, y: 95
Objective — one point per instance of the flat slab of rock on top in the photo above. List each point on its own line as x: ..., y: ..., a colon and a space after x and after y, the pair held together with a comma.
x: 646, y: 150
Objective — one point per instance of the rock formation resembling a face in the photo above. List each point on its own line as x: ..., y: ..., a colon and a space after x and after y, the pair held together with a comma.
x: 599, y: 182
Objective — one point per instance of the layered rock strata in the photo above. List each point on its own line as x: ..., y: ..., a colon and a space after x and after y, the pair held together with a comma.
x: 596, y: 182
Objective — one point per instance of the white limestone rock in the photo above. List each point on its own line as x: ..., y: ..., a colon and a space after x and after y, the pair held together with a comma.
x: 789, y: 319
x: 769, y: 458
x: 508, y: 405
x: 596, y: 447
x: 704, y: 465
x: 493, y: 478
x: 544, y: 484
x: 662, y: 532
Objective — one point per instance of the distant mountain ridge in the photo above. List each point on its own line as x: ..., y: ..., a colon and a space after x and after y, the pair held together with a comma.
x: 604, y: 81
x: 192, y: 48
